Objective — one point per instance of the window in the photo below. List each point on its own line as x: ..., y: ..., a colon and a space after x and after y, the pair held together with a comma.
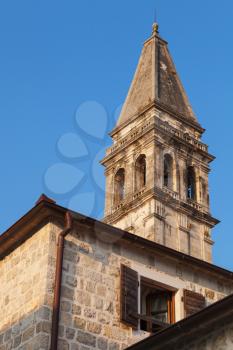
x: 168, y: 171
x: 151, y: 309
x: 119, y: 186
x: 149, y: 305
x: 140, y: 172
x: 191, y: 183
x: 157, y: 306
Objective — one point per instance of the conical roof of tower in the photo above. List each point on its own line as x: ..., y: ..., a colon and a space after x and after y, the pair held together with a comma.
x: 156, y: 80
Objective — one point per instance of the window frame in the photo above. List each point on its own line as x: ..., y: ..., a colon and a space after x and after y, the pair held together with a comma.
x: 171, y: 303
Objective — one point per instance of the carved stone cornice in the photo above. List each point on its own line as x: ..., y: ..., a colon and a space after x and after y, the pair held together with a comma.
x: 191, y: 144
x: 157, y: 105
x: 191, y: 209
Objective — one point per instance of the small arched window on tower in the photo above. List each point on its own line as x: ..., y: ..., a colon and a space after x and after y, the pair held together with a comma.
x: 119, y: 186
x: 168, y: 171
x: 191, y: 183
x: 140, y: 172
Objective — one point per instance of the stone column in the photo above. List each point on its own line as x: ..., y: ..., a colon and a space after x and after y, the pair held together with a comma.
x: 109, y: 194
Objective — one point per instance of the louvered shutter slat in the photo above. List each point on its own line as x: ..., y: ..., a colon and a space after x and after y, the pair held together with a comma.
x: 129, y: 296
x: 193, y: 302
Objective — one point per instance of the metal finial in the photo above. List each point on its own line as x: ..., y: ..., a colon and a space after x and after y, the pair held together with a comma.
x: 155, y: 28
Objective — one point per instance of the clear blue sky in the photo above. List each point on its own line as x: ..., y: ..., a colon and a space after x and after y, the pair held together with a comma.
x: 58, y: 55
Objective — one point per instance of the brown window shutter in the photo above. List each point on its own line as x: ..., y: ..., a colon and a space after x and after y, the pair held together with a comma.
x: 193, y: 302
x: 129, y: 296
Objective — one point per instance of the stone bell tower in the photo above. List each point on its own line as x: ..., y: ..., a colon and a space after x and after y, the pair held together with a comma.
x: 157, y: 169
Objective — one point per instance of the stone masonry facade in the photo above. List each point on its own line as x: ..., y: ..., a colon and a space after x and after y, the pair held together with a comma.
x: 221, y: 338
x: 90, y: 304
x: 26, y: 280
x: 90, y: 301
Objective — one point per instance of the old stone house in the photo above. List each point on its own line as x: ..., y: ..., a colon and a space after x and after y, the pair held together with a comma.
x: 74, y: 283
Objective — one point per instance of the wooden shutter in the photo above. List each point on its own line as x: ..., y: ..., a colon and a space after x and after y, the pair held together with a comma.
x: 193, y: 302
x: 129, y: 296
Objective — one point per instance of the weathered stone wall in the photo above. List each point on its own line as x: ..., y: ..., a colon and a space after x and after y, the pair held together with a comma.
x: 221, y: 338
x: 90, y: 304
x: 159, y: 223
x: 26, y: 282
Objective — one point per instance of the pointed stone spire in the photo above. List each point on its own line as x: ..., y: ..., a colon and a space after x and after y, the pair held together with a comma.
x: 156, y: 81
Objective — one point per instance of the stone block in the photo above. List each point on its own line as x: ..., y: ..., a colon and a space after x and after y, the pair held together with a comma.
x: 71, y: 256
x: 101, y: 290
x: 67, y: 293
x: 65, y: 306
x: 17, y: 341
x: 43, y: 326
x: 7, y: 335
x: 44, y: 313
x: 84, y: 248
x: 79, y: 323
x: 66, y: 319
x: 102, y: 343
x: 94, y: 327
x: 89, y: 313
x: 90, y: 287
x: 15, y: 330
x: 61, y: 330
x: 104, y: 318
x: 93, y: 276
x: 76, y: 309
x: 70, y: 333
x: 83, y: 298
x: 27, y: 322
x: 62, y: 345
x: 28, y: 334
x: 98, y: 303
x: 86, y: 339
x: 71, y: 281
x: 114, y: 346
x: 209, y: 294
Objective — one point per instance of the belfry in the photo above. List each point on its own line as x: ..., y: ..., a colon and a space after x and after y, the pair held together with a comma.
x: 157, y: 168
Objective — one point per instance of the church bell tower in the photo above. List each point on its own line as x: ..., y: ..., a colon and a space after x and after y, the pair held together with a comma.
x: 157, y: 168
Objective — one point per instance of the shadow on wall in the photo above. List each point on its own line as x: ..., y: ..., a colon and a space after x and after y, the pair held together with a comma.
x: 32, y: 331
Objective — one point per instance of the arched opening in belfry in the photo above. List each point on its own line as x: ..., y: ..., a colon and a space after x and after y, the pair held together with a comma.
x: 119, y: 186
x: 191, y: 183
x: 140, y: 172
x: 168, y: 171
